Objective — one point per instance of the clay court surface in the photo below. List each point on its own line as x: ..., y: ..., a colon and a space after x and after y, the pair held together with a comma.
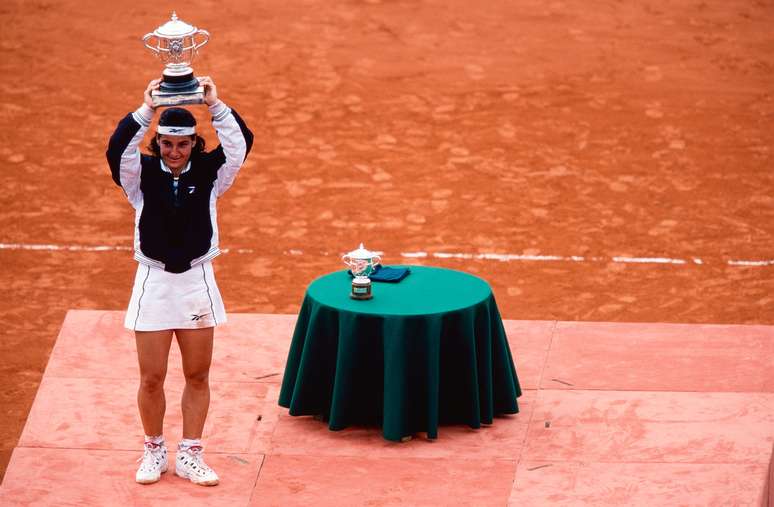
x: 594, y: 161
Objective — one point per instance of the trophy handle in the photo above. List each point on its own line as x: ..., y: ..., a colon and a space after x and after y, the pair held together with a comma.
x: 376, y: 260
x: 155, y: 49
x: 205, y: 41
x: 345, y: 259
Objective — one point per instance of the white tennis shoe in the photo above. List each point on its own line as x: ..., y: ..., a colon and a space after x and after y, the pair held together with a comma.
x: 190, y: 465
x: 154, y: 463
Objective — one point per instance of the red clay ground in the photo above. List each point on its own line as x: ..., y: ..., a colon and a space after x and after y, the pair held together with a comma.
x: 552, y: 128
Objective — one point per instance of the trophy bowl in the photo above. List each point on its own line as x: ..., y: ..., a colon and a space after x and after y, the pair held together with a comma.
x: 175, y: 44
x: 361, y: 263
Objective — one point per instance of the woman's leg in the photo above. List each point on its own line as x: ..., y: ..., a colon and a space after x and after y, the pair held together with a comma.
x: 152, y: 355
x: 196, y: 349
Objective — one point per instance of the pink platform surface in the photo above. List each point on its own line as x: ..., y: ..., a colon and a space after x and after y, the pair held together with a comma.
x: 612, y: 414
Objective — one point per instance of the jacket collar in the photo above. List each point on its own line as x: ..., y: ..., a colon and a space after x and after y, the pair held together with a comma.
x: 168, y: 170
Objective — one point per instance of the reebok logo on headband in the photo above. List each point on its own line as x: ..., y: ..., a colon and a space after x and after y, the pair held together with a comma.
x: 176, y: 131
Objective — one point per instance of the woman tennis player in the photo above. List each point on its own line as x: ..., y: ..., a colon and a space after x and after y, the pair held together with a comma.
x: 174, y: 191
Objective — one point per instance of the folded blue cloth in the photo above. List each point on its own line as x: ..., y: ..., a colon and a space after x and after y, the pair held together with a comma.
x: 387, y: 274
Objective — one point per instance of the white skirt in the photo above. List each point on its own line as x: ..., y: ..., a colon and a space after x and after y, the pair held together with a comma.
x: 163, y: 300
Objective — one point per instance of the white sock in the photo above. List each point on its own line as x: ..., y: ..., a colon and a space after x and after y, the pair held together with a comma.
x: 158, y: 439
x: 187, y: 443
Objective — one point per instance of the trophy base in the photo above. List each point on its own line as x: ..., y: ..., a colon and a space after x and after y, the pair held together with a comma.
x: 361, y: 289
x: 168, y: 99
x: 178, y: 91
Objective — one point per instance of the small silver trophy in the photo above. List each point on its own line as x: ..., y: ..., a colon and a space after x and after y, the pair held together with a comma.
x: 362, y: 263
x: 175, y: 45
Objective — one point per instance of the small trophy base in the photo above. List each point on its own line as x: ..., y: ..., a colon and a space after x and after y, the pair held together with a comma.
x: 361, y: 289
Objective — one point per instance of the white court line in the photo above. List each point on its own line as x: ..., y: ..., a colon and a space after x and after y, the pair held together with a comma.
x: 650, y: 260
x: 751, y: 263
x: 421, y: 255
x: 69, y: 248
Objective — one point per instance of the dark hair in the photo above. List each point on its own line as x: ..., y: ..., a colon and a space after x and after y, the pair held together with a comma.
x: 177, y: 117
x: 198, y: 147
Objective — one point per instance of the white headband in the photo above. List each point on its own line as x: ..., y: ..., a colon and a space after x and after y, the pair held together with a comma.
x: 176, y: 131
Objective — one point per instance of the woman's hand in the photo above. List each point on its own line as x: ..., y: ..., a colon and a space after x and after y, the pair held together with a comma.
x: 210, y: 91
x: 153, y: 85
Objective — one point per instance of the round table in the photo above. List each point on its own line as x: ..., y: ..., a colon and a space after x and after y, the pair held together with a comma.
x: 428, y: 350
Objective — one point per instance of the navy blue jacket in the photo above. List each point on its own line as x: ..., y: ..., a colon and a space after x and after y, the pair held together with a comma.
x: 175, y: 222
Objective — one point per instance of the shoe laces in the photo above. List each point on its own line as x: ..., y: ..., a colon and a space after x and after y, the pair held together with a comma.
x: 196, y: 456
x: 152, y: 455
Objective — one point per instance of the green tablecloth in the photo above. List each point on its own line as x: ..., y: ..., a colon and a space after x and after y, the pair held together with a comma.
x: 428, y: 350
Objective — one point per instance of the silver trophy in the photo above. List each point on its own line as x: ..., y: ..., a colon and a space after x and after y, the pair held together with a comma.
x: 362, y: 263
x: 175, y: 44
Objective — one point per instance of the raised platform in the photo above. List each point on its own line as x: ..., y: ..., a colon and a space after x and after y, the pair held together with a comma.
x: 613, y: 414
